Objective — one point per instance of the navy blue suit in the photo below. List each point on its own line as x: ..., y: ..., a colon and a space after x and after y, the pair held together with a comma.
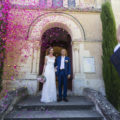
x: 62, y: 75
x: 115, y: 59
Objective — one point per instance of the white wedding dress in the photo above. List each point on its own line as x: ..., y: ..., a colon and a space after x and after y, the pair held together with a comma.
x: 49, y: 93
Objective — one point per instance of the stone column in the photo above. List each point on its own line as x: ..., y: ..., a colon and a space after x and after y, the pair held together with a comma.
x: 34, y: 61
x: 78, y: 80
x: 31, y: 80
x: 65, y: 3
x: 38, y: 61
x: 76, y: 57
x: 81, y: 3
x: 77, y: 3
x: 35, y: 57
x: 98, y: 3
x: 49, y: 3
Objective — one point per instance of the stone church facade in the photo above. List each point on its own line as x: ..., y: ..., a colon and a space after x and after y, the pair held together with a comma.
x: 79, y: 18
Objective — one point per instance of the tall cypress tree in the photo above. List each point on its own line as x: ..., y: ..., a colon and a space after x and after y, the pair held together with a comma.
x: 110, y: 75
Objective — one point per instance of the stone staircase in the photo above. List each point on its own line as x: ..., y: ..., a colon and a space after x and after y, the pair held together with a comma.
x: 78, y: 108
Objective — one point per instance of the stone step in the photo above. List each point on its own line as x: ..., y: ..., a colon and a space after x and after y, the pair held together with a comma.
x: 54, y: 115
x: 75, y: 103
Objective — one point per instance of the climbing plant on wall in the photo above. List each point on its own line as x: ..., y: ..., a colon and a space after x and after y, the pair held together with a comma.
x: 2, y: 42
x: 110, y: 75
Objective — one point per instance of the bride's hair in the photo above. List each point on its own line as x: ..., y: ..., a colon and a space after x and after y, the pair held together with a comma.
x: 48, y: 50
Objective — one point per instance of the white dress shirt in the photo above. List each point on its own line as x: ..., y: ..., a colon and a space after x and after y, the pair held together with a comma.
x: 117, y: 47
x: 62, y: 62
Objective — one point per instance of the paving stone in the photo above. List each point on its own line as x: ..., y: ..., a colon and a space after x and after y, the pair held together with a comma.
x: 73, y: 104
x: 78, y: 108
x: 54, y: 115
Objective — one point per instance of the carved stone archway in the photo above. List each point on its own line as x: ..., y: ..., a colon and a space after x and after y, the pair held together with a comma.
x: 61, y: 20
x: 58, y: 19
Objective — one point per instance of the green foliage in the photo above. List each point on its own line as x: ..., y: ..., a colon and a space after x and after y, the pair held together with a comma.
x: 2, y: 56
x: 110, y: 75
x: 2, y: 46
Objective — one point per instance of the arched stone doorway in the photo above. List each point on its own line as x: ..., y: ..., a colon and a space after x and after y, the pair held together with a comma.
x: 57, y: 38
x: 74, y: 29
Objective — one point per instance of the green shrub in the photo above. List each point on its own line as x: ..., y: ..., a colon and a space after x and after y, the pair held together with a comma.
x: 110, y: 75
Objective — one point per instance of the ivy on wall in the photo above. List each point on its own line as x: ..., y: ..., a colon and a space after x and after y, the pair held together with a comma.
x: 2, y: 41
x: 110, y: 75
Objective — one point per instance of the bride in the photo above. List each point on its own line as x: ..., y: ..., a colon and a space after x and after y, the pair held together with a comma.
x: 49, y: 87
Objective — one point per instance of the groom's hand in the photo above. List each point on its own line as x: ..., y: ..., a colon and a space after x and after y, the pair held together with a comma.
x: 69, y: 76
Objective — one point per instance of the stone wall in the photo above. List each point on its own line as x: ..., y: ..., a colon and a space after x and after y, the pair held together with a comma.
x: 103, y: 106
x: 116, y: 10
x: 12, y: 97
x: 86, y: 33
x: 65, y: 3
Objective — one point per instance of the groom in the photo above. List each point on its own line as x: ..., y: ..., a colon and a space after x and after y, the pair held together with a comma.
x: 63, y: 73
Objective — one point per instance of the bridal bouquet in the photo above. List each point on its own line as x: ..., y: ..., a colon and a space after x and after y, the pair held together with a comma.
x: 41, y: 79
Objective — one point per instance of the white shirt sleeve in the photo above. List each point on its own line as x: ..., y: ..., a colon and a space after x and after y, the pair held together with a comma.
x: 62, y: 62
x: 117, y: 47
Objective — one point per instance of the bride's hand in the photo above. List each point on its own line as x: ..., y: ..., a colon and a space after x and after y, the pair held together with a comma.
x: 56, y: 69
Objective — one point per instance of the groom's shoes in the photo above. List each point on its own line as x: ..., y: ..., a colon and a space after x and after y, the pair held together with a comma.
x: 65, y: 99
x: 59, y: 99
